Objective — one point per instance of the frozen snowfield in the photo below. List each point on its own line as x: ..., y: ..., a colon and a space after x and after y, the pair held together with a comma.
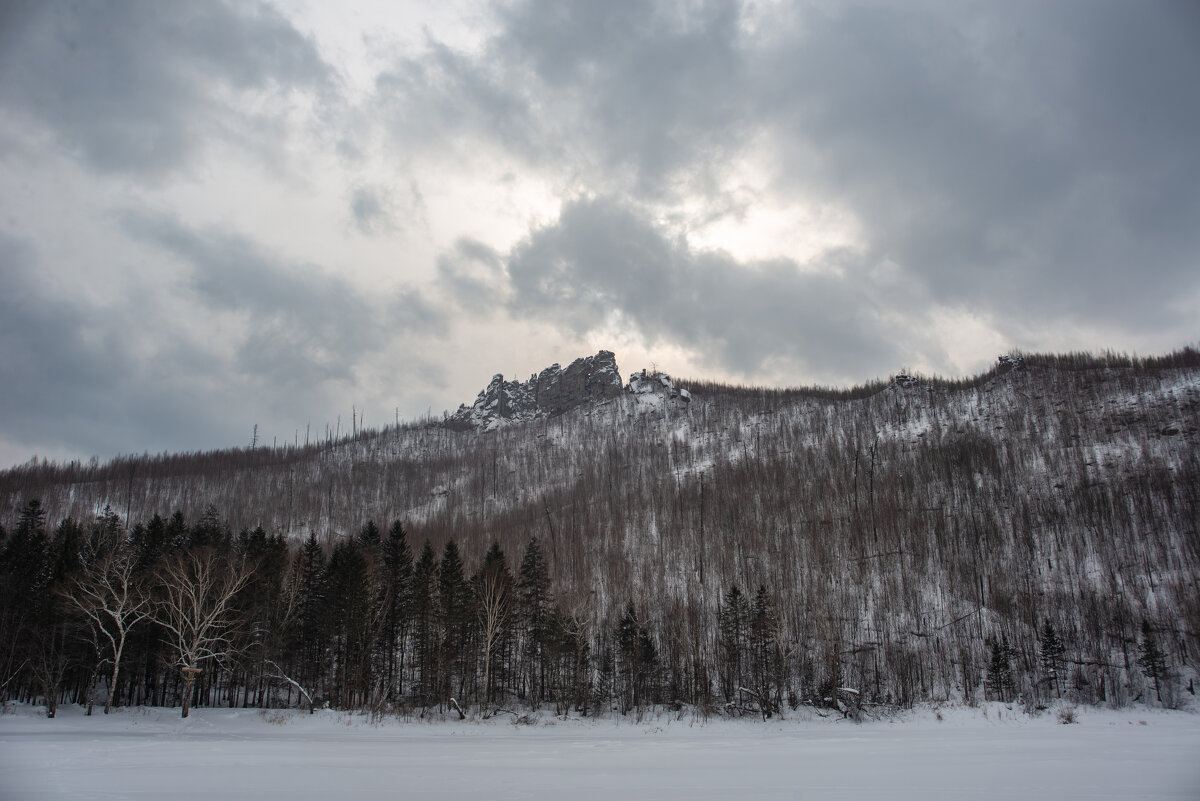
x: 983, y: 753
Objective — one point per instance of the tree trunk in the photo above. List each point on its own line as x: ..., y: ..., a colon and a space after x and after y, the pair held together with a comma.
x: 188, y: 681
x: 487, y: 663
x: 112, y: 688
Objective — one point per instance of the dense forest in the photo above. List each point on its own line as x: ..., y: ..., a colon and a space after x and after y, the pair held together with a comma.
x: 1027, y: 534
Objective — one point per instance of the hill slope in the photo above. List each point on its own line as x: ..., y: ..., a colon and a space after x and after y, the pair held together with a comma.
x: 898, y: 530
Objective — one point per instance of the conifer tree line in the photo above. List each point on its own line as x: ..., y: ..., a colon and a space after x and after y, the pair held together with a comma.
x: 911, y: 540
x: 179, y: 614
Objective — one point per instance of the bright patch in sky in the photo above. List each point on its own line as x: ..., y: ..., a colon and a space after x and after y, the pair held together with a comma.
x: 216, y: 215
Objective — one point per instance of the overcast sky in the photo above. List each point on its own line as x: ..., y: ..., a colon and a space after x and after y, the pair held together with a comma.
x: 215, y: 216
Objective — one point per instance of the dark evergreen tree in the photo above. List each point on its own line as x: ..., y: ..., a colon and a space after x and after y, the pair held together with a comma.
x: 396, y: 605
x: 764, y: 668
x: 209, y: 531
x: 369, y: 535
x: 637, y: 661
x: 66, y: 552
x: 177, y: 533
x: 1051, y: 654
x: 732, y: 631
x: 25, y: 568
x: 350, y: 590
x: 1151, y: 659
x: 261, y: 604
x: 149, y: 542
x: 312, y: 623
x: 425, y: 628
x: 533, y: 590
x: 999, y: 675
x: 454, y: 621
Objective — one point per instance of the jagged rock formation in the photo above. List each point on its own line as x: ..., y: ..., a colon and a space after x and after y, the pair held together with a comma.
x: 656, y: 389
x: 546, y: 394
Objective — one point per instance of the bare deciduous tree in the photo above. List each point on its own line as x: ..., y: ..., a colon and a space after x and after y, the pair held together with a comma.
x: 196, y: 608
x: 113, y: 602
x: 494, y: 607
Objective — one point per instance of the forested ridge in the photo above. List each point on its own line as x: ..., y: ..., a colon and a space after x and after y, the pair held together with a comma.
x: 1028, y: 533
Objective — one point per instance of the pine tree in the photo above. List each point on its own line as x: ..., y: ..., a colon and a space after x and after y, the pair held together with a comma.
x: 637, y: 661
x: 999, y: 676
x: 210, y: 531
x: 533, y: 590
x: 1052, y: 651
x: 149, y: 542
x: 425, y: 625
x: 369, y: 535
x: 107, y: 532
x: 1151, y: 659
x: 764, y: 629
x: 178, y: 535
x: 454, y: 618
x: 396, y: 605
x: 262, y: 604
x: 350, y: 595
x: 313, y: 617
x: 732, y: 632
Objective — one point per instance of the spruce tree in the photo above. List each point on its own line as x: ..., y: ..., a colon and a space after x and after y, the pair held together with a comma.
x: 350, y: 596
x: 1052, y: 651
x: 533, y: 590
x: 999, y: 676
x: 424, y: 624
x: 396, y: 606
x: 764, y: 629
x: 732, y: 631
x: 313, y: 618
x: 1151, y: 659
x: 453, y: 619
x: 150, y: 542
x: 178, y: 535
x: 210, y: 531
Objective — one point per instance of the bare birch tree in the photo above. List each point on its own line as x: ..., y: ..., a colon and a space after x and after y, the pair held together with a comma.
x: 197, y: 608
x: 494, y: 608
x: 113, y: 602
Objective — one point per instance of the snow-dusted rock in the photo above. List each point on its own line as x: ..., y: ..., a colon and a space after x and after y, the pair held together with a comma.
x: 656, y: 389
x: 551, y: 392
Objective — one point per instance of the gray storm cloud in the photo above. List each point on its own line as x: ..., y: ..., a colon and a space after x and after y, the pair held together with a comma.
x: 302, y: 324
x: 140, y: 86
x: 1022, y: 161
x: 602, y: 259
x: 1029, y: 168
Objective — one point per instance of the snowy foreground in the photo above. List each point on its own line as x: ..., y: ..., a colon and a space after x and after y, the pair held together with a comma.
x: 984, y: 753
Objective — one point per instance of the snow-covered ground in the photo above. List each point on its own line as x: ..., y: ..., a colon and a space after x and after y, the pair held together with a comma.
x: 984, y: 753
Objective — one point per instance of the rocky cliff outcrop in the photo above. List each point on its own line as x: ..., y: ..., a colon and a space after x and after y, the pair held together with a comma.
x: 656, y: 389
x: 551, y: 392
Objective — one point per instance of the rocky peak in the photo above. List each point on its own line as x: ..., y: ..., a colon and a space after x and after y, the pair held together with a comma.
x: 593, y: 378
x: 1009, y: 362
x: 551, y: 392
x: 656, y: 388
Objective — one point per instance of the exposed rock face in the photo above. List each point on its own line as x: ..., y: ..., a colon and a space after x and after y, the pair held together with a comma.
x: 553, y: 391
x: 1010, y: 362
x: 591, y: 379
x: 656, y: 389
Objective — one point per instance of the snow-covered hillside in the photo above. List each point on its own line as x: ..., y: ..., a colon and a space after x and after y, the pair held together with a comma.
x: 899, y: 530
